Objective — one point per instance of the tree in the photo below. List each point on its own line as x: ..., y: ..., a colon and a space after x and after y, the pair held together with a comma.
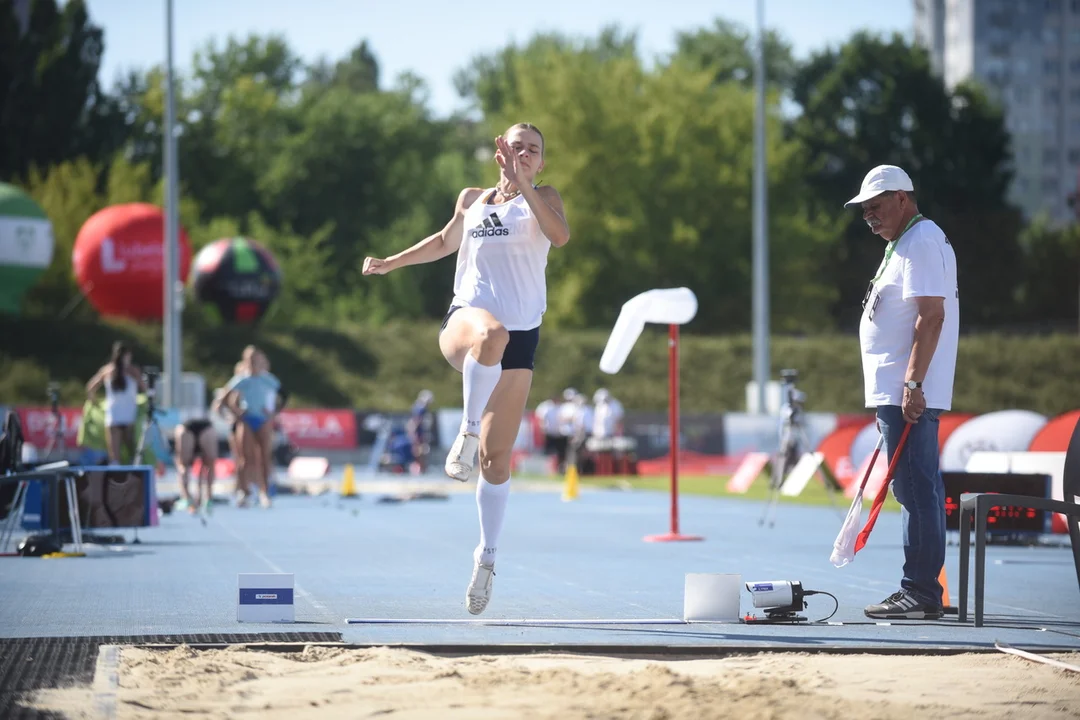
x: 491, y: 82
x: 1050, y: 288
x: 655, y: 168
x: 727, y: 50
x: 874, y: 102
x: 51, y: 107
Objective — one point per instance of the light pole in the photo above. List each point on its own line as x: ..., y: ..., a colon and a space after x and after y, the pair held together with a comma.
x: 171, y: 252
x: 761, y: 250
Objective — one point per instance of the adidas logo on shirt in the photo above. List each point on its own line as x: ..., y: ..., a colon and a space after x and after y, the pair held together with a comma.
x: 491, y: 227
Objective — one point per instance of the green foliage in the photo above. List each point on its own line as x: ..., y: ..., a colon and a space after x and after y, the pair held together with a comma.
x: 1051, y: 283
x: 874, y: 101
x: 727, y: 50
x: 50, y: 104
x: 654, y: 168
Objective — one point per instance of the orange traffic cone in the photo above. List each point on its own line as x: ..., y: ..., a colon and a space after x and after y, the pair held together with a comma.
x: 944, y: 587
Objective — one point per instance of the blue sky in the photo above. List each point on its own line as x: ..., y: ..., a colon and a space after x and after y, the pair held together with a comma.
x: 433, y: 39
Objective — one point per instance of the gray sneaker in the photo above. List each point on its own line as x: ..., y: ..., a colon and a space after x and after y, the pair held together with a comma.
x: 462, y: 456
x: 479, y: 591
x: 903, y: 606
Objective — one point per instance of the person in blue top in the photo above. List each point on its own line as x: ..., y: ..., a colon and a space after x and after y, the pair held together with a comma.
x: 421, y: 429
x: 255, y: 399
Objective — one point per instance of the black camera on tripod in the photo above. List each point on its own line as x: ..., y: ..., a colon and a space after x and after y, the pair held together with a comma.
x: 150, y: 378
x: 793, y: 397
x: 53, y: 392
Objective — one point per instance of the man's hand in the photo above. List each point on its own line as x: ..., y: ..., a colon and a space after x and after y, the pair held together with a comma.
x: 914, y: 404
x: 375, y: 266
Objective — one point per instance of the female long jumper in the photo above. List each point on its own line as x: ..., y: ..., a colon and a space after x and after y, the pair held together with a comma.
x: 490, y: 333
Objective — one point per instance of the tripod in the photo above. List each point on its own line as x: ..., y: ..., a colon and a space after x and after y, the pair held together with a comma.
x: 58, y: 437
x: 149, y: 423
x: 793, y: 439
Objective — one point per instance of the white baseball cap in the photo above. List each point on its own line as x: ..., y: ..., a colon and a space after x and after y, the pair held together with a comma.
x: 881, y: 179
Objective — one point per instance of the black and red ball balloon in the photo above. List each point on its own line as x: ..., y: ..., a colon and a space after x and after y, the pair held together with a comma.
x: 238, y: 276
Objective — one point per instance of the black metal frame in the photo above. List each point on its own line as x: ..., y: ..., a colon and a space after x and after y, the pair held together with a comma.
x: 52, y: 478
x: 978, y: 505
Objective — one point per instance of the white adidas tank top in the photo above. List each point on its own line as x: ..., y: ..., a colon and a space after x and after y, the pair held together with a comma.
x: 502, y: 261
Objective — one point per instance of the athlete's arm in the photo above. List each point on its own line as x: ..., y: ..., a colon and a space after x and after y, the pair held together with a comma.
x: 547, y: 206
x: 95, y: 382
x: 432, y: 248
x: 231, y: 401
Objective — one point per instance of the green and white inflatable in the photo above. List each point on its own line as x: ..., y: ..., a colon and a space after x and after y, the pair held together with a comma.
x: 26, y: 246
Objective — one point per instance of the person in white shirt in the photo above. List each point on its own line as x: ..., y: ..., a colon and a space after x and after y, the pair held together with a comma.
x: 547, y: 417
x: 582, y: 424
x: 122, y: 382
x: 490, y: 333
x: 567, y: 412
x: 909, y: 334
x: 608, y: 415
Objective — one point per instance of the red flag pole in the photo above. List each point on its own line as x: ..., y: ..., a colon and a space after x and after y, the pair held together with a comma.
x: 673, y: 424
x: 882, y: 493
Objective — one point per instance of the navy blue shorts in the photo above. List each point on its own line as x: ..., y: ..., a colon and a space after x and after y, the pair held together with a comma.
x: 520, y: 353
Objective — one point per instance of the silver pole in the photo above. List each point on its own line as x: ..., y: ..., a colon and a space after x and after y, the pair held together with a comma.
x: 761, y: 250
x: 171, y: 350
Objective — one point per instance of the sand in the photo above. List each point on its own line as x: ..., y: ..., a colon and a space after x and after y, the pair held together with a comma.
x: 329, y: 682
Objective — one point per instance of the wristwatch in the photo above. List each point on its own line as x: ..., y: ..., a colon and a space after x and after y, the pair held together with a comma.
x: 912, y: 385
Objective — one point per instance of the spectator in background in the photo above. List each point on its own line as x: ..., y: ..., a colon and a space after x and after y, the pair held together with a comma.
x: 256, y: 399
x: 607, y: 415
x: 122, y: 383
x: 196, y: 438
x: 243, y: 486
x: 582, y: 427
x: 421, y: 429
x: 565, y: 425
x: 547, y: 417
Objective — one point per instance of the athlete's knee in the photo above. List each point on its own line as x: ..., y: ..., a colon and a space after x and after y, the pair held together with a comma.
x: 495, y: 466
x: 491, y: 341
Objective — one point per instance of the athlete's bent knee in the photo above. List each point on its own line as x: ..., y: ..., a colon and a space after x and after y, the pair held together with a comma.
x: 495, y: 467
x: 490, y: 343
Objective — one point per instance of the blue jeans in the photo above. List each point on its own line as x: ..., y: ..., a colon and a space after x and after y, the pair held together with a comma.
x: 918, y: 487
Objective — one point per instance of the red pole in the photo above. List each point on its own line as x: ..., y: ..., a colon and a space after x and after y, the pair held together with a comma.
x: 673, y: 421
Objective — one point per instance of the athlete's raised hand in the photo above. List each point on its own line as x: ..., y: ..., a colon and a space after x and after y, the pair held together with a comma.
x: 508, y: 160
x: 375, y: 266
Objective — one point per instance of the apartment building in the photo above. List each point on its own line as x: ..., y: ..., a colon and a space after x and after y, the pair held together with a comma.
x: 1027, y: 53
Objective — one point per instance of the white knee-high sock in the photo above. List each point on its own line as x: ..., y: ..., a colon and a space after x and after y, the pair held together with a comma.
x: 478, y: 382
x: 491, y: 502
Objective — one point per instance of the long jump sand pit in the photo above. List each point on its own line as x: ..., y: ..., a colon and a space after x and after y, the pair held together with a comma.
x: 322, y: 681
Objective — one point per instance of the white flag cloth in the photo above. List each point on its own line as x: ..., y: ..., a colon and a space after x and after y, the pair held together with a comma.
x: 844, y: 547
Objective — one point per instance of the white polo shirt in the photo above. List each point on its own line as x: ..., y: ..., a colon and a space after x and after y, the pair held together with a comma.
x: 922, y: 264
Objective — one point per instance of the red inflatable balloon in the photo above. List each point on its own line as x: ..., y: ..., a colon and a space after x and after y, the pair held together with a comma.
x: 119, y: 260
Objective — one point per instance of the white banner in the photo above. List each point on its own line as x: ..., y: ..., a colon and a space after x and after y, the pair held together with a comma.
x: 1001, y: 431
x: 25, y: 241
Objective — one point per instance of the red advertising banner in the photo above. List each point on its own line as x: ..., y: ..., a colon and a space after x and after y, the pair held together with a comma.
x: 320, y: 429
x: 38, y: 425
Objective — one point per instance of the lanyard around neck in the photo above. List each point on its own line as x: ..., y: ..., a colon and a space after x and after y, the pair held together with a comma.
x: 892, y: 246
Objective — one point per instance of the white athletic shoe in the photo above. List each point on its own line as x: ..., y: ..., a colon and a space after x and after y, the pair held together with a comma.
x: 459, y: 462
x: 479, y: 591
